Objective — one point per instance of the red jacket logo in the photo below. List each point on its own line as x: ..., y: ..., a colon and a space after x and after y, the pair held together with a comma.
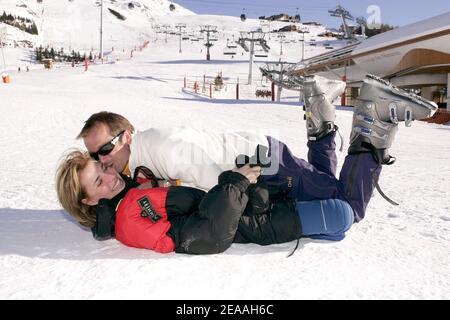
x: 147, y: 209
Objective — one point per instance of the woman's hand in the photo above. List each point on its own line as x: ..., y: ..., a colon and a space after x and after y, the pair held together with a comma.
x: 251, y: 173
x: 146, y: 185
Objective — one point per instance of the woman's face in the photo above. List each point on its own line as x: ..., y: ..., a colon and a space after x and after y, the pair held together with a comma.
x: 99, y: 182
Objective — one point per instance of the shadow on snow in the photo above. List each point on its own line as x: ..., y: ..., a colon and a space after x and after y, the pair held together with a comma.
x: 54, y: 234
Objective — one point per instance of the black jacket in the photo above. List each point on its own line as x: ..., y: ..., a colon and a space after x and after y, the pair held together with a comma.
x: 233, y: 211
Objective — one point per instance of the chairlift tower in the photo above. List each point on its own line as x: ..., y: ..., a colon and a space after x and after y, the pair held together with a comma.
x: 297, y: 16
x: 101, y: 30
x: 302, y: 31
x: 180, y: 26
x: 157, y: 29
x: 166, y: 27
x: 208, y: 29
x: 340, y: 12
x: 280, y: 74
x: 252, y: 37
x: 266, y: 24
x: 281, y: 38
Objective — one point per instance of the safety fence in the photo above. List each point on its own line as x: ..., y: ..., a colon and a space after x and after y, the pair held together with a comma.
x: 215, y: 87
x: 94, y: 58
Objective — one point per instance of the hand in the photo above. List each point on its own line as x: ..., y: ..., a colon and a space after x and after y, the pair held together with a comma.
x: 146, y: 185
x: 251, y: 173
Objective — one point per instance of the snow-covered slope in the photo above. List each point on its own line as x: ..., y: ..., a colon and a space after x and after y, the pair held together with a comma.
x: 396, y: 252
x: 75, y: 24
x: 125, y: 38
x: 64, y: 23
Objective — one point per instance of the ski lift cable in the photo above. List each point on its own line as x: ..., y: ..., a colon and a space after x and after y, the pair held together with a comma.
x: 253, y: 5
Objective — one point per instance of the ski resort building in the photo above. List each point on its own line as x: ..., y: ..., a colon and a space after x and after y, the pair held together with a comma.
x: 415, y: 56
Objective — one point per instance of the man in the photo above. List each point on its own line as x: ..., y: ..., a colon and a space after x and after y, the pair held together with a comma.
x: 183, y: 156
x: 187, y: 156
x: 196, y: 158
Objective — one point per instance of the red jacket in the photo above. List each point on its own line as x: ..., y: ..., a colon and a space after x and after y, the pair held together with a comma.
x: 137, y: 226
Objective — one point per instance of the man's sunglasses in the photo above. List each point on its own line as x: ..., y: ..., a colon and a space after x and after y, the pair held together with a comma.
x: 106, y: 148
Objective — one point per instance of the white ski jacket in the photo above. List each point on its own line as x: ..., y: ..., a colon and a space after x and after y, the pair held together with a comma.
x: 194, y: 157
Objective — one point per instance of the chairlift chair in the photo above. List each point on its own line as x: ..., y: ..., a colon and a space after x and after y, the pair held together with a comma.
x: 263, y: 90
x: 231, y: 45
x: 261, y: 54
x: 243, y: 16
x: 297, y: 16
x: 229, y: 51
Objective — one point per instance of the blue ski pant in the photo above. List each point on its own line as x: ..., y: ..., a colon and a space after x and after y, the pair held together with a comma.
x: 315, y: 181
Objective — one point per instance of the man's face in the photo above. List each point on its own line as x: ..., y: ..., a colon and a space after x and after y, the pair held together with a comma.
x: 99, y: 136
x: 100, y: 182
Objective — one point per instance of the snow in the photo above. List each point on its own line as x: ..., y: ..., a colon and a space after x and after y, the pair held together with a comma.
x: 76, y: 24
x: 395, y: 253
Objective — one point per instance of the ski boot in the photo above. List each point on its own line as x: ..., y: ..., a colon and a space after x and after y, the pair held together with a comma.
x: 379, y: 108
x: 319, y: 93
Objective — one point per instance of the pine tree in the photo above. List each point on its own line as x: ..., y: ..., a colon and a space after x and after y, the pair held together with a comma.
x: 33, y: 29
x: 38, y: 54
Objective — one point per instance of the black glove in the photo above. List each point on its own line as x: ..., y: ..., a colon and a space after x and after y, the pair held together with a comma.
x: 260, y: 158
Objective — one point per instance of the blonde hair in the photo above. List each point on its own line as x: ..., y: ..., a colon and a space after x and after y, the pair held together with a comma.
x: 69, y: 189
x: 115, y: 122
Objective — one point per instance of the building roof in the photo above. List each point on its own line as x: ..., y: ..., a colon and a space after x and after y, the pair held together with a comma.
x: 429, y: 28
x: 405, y: 33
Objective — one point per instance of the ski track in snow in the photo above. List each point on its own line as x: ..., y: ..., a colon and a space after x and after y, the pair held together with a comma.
x: 395, y: 253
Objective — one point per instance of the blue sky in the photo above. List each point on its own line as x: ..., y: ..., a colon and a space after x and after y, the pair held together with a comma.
x: 394, y: 12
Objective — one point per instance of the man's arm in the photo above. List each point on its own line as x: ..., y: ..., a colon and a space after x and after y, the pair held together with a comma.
x: 189, y: 164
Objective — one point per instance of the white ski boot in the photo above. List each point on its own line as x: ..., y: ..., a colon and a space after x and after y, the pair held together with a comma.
x: 319, y: 93
x: 379, y: 108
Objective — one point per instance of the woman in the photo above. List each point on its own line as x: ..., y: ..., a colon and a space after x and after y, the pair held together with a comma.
x: 240, y: 209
